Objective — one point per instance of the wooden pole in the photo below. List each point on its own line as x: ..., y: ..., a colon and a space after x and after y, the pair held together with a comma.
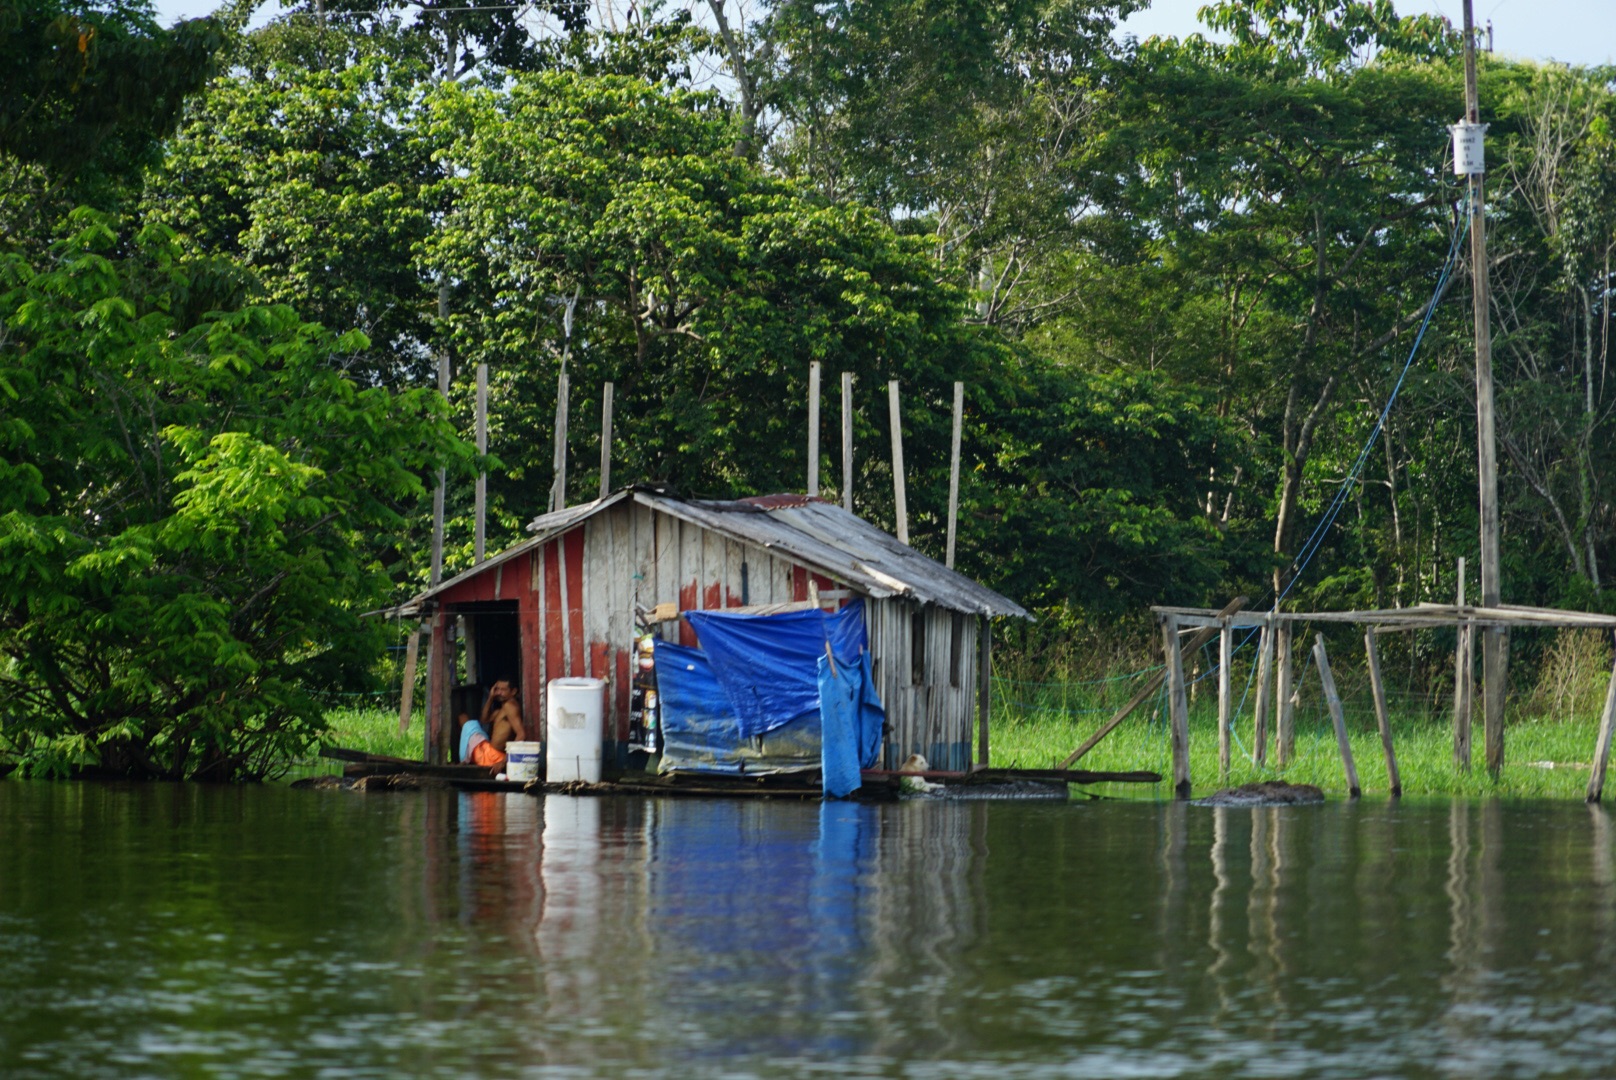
x: 1333, y: 699
x: 479, y: 543
x: 1607, y: 724
x: 1265, y: 667
x: 1493, y: 641
x: 434, y: 739
x: 847, y: 441
x: 1178, y: 707
x: 1464, y: 681
x: 1285, y: 691
x: 606, y: 439
x: 813, y: 428
x: 984, y: 687
x: 1225, y: 696
x: 412, y: 655
x: 1382, y: 720
x: 1150, y: 686
x: 899, y: 495
x: 954, y: 473
x: 558, y: 489
x: 443, y: 474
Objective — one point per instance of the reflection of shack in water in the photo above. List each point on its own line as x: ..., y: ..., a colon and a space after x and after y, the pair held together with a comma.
x: 790, y: 920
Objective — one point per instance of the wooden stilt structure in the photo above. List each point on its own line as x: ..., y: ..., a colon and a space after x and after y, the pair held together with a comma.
x: 1607, y: 725
x: 1265, y: 663
x: 1285, y: 695
x: 1178, y: 707
x: 1225, y: 696
x: 1333, y: 700
x: 1382, y: 721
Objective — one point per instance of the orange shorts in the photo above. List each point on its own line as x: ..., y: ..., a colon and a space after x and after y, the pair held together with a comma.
x: 484, y: 754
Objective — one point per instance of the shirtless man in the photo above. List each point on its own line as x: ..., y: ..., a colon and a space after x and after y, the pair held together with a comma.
x: 502, y: 715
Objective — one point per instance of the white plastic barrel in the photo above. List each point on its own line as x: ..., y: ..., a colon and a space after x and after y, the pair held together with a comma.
x: 574, y: 720
x: 523, y: 763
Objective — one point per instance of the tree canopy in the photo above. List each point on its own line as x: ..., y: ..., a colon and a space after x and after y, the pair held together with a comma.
x: 1179, y: 279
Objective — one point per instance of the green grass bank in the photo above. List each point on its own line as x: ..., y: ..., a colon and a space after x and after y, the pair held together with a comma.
x: 1546, y: 757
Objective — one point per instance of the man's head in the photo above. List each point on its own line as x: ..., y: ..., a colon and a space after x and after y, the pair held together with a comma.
x: 502, y: 690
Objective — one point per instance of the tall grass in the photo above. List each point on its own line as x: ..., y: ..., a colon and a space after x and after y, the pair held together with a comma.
x: 1546, y: 755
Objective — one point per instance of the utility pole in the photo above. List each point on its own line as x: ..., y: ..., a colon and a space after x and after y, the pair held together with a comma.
x: 1493, y: 643
x: 443, y: 358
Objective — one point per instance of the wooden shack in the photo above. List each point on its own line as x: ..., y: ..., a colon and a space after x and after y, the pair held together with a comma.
x: 568, y: 601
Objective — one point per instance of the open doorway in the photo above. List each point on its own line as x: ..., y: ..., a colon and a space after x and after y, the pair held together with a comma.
x: 489, y: 637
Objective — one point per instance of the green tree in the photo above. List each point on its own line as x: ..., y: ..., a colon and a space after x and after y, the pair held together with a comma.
x: 705, y: 285
x: 1287, y: 188
x: 196, y: 507
x: 319, y: 180
x: 87, y: 92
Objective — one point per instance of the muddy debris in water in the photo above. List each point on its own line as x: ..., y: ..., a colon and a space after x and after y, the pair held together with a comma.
x: 1266, y: 793
x: 391, y: 782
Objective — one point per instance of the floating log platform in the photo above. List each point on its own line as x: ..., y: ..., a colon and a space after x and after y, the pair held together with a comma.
x: 879, y: 784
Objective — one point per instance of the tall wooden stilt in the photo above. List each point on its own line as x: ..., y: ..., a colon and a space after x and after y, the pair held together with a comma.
x: 1285, y: 693
x: 954, y: 473
x: 1225, y: 695
x: 847, y: 441
x: 1265, y: 664
x: 900, y: 498
x: 1333, y: 700
x: 606, y: 440
x: 479, y: 534
x: 984, y: 687
x: 412, y: 654
x: 1607, y: 725
x: 1464, y: 681
x: 558, y: 488
x: 1382, y: 720
x: 1178, y: 708
x: 813, y: 428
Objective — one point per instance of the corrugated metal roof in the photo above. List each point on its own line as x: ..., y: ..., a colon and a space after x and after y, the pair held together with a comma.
x: 841, y: 545
x: 809, y: 531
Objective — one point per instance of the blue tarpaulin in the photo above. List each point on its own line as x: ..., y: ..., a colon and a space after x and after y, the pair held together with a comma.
x: 766, y: 661
x: 700, y: 732
x: 768, y: 664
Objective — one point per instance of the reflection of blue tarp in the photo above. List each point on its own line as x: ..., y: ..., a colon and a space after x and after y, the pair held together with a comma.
x: 851, y: 719
x: 766, y: 661
x: 768, y: 664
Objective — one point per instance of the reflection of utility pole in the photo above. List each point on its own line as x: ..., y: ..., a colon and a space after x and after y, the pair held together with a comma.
x: 1493, y: 656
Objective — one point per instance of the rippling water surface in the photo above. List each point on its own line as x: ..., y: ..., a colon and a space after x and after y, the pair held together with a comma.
x: 186, y: 931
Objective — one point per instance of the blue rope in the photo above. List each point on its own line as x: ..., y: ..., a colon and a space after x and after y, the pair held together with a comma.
x: 1315, y: 540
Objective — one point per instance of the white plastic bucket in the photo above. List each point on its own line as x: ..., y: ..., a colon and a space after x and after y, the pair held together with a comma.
x: 574, y: 722
x: 523, y: 763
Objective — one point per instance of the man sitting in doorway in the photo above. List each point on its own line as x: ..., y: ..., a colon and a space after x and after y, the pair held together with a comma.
x: 483, y: 741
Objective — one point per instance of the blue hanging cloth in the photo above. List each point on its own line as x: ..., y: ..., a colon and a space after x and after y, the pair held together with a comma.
x: 851, y: 718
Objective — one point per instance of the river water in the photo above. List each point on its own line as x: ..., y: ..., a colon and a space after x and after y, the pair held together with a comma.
x: 191, y: 931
